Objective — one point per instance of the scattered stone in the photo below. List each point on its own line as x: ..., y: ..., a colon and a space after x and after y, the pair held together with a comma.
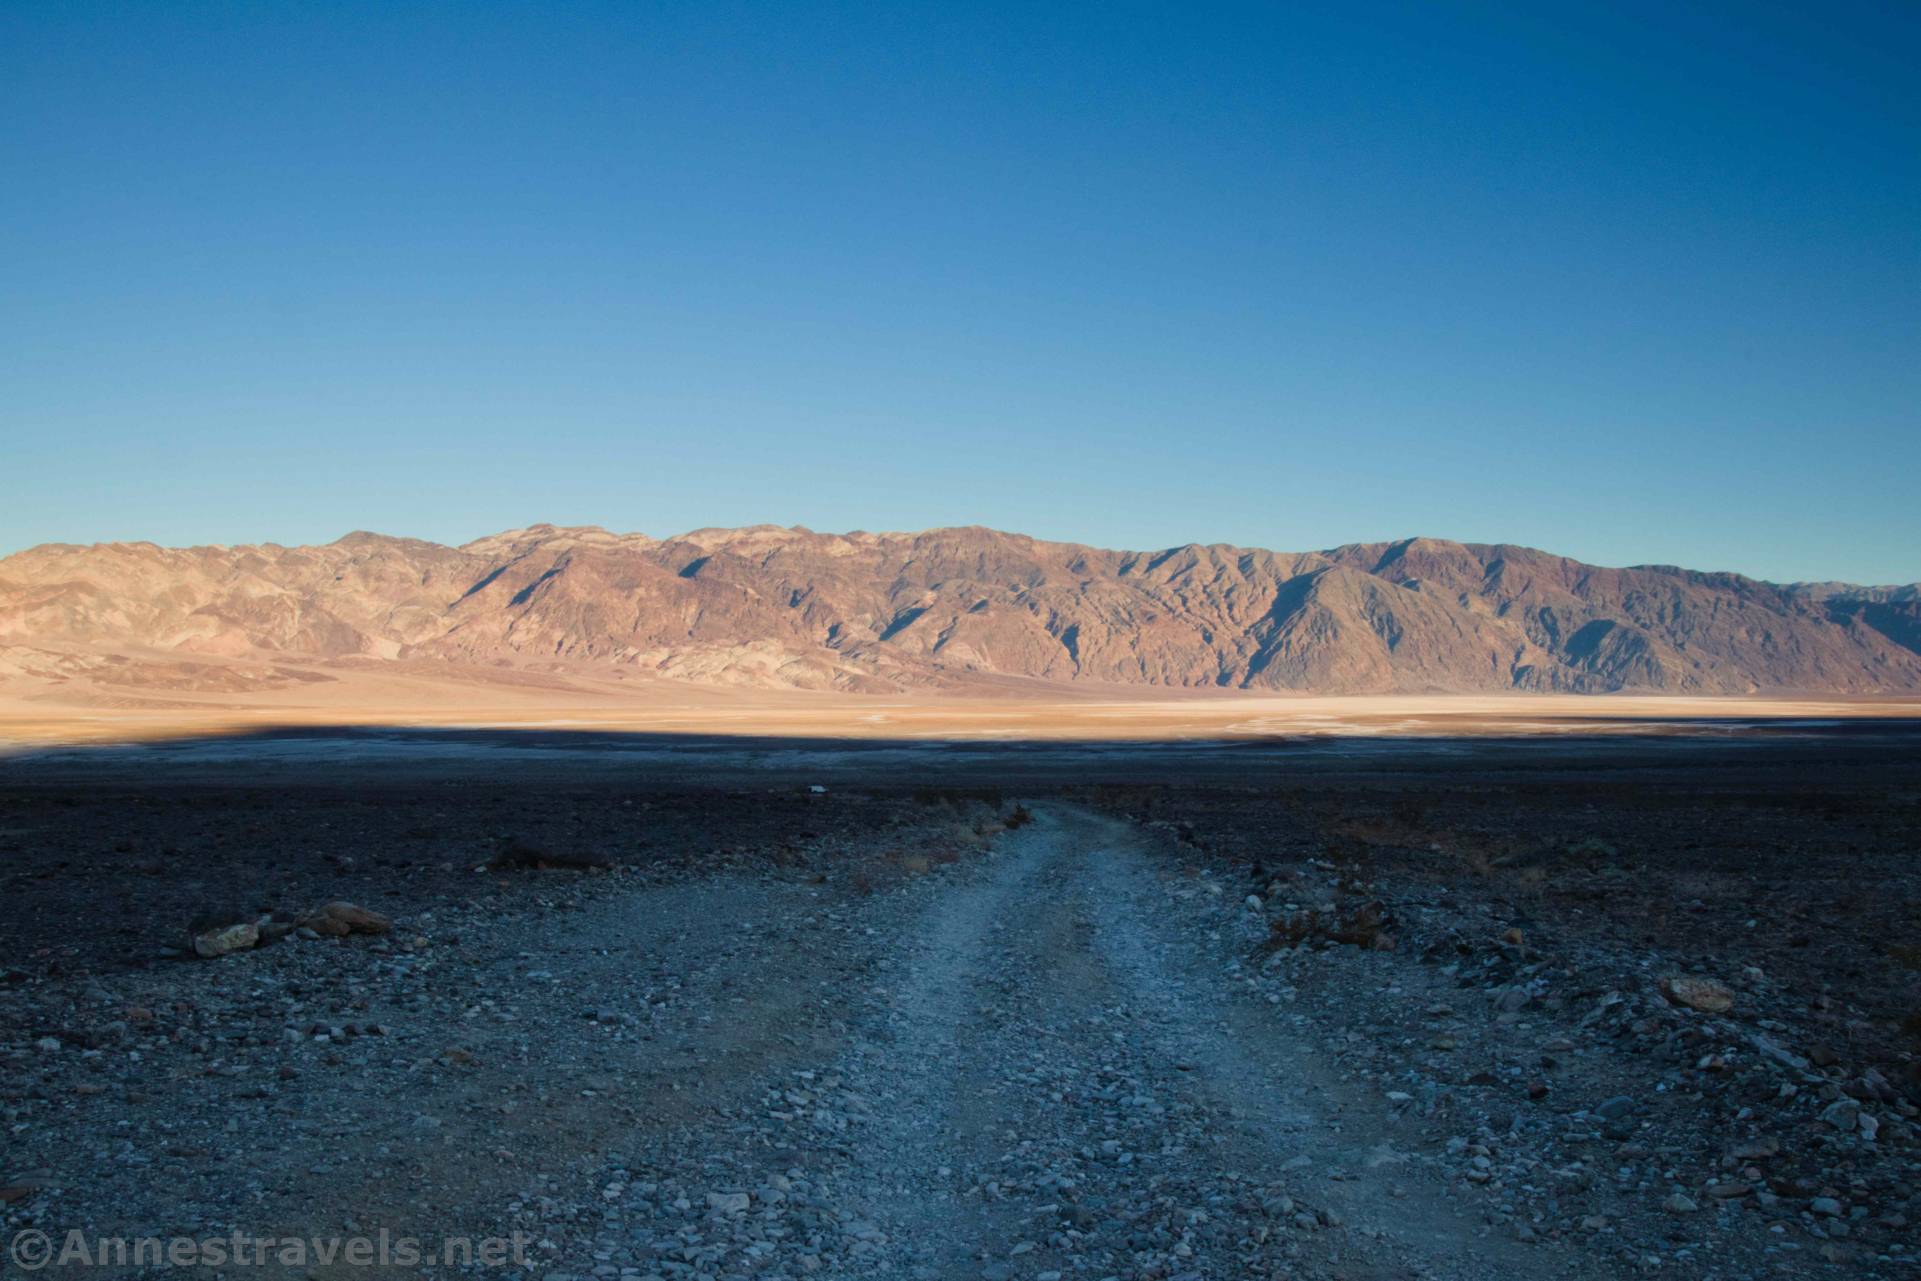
x: 1103, y: 1157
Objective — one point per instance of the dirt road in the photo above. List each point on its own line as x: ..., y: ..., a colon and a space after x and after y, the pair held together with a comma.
x: 1044, y: 1075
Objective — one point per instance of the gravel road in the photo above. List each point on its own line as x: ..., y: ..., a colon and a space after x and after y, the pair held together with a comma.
x: 1044, y: 1076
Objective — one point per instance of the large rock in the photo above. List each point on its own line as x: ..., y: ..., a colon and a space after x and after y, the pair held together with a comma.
x: 220, y: 940
x: 1615, y: 1109
x: 340, y: 918
x: 1696, y: 993
x: 1842, y: 1114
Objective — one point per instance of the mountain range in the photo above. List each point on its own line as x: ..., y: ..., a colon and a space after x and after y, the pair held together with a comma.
x: 945, y: 609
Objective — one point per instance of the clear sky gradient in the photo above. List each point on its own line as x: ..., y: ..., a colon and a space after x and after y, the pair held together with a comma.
x: 1635, y: 283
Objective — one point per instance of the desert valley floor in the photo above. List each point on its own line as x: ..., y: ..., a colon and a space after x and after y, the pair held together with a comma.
x: 1472, y: 991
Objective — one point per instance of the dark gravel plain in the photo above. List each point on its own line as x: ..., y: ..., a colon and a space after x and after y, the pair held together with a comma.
x: 1449, y: 966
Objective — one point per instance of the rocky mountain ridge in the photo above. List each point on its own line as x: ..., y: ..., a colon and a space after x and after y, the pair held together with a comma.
x: 949, y: 608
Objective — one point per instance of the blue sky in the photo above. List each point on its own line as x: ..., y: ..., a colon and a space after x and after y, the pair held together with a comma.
x: 1630, y: 282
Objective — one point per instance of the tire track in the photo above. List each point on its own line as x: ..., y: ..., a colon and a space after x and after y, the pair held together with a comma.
x: 1279, y: 1104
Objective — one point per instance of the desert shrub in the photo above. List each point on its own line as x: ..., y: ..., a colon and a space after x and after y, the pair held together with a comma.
x: 958, y: 797
x: 1365, y: 926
